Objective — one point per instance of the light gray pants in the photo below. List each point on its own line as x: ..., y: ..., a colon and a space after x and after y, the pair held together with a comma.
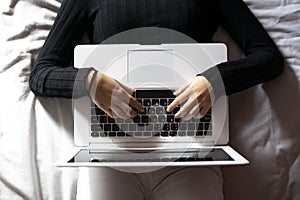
x: 169, y: 183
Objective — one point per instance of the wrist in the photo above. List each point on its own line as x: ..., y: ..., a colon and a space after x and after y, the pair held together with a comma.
x: 90, y: 79
x: 210, y: 88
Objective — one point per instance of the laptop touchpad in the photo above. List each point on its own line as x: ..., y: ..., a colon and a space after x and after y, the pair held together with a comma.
x: 150, y: 66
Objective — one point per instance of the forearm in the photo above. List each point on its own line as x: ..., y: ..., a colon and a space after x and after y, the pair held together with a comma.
x: 259, y: 67
x: 50, y: 81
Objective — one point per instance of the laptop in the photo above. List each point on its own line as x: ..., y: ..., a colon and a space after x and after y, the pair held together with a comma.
x: 153, y: 138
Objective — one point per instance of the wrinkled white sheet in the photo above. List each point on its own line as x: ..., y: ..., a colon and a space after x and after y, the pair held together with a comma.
x: 34, y: 132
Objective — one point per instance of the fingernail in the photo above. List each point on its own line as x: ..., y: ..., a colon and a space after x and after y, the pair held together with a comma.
x: 168, y: 109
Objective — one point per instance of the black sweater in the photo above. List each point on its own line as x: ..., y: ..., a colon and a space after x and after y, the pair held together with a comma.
x: 53, y: 76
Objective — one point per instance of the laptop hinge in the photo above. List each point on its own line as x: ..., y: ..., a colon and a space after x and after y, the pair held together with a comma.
x: 95, y: 147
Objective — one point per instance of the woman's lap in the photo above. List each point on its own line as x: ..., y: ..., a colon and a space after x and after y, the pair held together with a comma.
x: 176, y: 183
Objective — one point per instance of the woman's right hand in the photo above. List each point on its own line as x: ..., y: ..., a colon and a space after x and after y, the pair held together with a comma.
x: 112, y: 97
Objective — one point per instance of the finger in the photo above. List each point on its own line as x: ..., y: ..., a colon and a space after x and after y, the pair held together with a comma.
x: 118, y: 113
x: 186, y: 117
x: 132, y: 112
x: 129, y: 112
x: 109, y: 112
x: 179, y: 99
x: 135, y: 104
x: 186, y: 108
x: 130, y: 100
x: 195, y: 112
x: 178, y: 92
x: 128, y: 89
x: 206, y: 106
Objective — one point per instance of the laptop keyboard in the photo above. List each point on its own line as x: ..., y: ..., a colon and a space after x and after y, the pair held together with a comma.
x: 155, y: 121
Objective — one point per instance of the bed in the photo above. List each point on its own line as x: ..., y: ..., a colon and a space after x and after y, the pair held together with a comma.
x: 34, y: 132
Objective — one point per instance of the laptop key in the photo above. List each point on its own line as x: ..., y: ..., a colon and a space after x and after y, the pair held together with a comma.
x: 147, y: 134
x: 200, y: 126
x: 163, y: 102
x: 149, y: 127
x: 173, y: 133
x: 119, y: 120
x: 170, y: 101
x: 199, y: 133
x: 124, y: 127
x: 177, y: 119
x: 155, y: 134
x: 140, y: 127
x: 95, y: 134
x: 159, y: 110
x: 103, y: 134
x: 94, y: 119
x: 96, y: 127
x: 107, y: 127
x: 132, y: 127
x: 155, y: 102
x: 190, y: 133
x: 176, y: 109
x: 153, y: 118
x: 182, y: 126
x: 164, y: 134
x: 174, y: 127
x: 181, y: 133
x: 147, y: 102
x: 98, y: 111
x: 103, y: 119
x: 115, y: 127
x: 129, y: 134
x: 138, y: 134
x: 110, y: 120
x: 145, y: 119
x: 161, y: 118
x: 205, y: 119
x: 170, y: 118
x: 112, y: 134
x: 166, y: 127
x: 137, y: 119
x: 207, y: 126
x: 157, y: 127
x: 191, y: 126
x: 151, y: 111
x: 120, y: 134
x: 207, y: 132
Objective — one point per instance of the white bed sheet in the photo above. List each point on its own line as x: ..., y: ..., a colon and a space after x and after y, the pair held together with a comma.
x: 34, y: 132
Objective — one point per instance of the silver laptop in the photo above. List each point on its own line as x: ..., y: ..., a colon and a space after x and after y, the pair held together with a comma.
x: 154, y: 137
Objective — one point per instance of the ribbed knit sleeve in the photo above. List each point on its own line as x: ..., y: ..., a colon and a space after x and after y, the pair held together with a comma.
x: 262, y: 60
x: 52, y: 74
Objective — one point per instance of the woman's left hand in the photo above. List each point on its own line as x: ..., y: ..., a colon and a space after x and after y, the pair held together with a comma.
x: 197, y: 99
